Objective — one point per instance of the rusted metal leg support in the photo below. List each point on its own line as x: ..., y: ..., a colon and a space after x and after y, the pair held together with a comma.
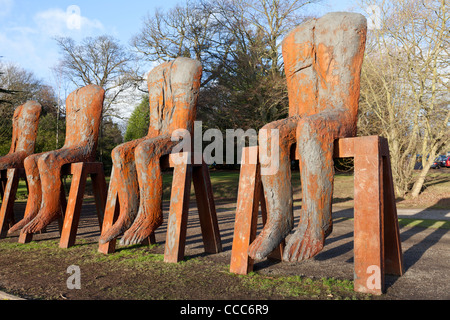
x: 206, y: 209
x: 246, y: 212
x: 183, y: 175
x: 8, y: 197
x: 112, y: 211
x: 377, y: 246
x: 71, y: 209
x: 250, y: 196
x: 178, y: 214
x: 179, y: 209
x: 79, y: 173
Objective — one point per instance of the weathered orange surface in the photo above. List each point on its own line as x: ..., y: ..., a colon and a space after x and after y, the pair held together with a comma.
x: 377, y: 246
x: 25, y: 127
x: 323, y: 59
x: 84, y: 109
x: 173, y: 92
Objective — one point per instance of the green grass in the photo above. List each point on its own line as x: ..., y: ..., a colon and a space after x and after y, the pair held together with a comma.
x: 159, y: 280
x: 301, y: 287
x: 433, y: 224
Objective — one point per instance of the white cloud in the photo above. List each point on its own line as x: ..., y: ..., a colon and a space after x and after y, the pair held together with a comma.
x: 56, y: 22
x: 5, y: 7
x: 29, y: 42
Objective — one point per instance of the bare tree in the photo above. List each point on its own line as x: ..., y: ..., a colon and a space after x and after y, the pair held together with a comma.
x: 238, y: 43
x: 24, y: 86
x: 188, y: 30
x: 270, y: 19
x: 101, y: 61
x: 405, y: 87
x: 4, y: 92
x: 253, y: 84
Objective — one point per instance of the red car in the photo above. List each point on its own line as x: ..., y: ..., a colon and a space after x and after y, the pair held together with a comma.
x: 447, y: 162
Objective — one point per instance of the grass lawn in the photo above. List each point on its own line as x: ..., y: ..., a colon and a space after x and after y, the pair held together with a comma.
x: 138, y: 272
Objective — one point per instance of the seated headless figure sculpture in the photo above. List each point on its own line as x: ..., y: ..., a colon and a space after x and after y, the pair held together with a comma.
x: 25, y: 127
x: 173, y: 91
x: 323, y: 59
x: 83, y: 108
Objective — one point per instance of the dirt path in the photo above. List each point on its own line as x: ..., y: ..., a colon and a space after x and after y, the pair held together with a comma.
x: 426, y: 257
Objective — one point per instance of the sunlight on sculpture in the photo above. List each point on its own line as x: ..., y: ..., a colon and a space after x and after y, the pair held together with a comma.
x: 323, y: 59
x: 173, y: 92
x: 25, y: 127
x: 84, y: 108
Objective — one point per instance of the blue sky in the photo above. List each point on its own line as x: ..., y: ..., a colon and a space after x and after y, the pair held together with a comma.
x: 27, y: 27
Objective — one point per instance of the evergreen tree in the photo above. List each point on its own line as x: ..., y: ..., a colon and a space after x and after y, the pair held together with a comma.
x: 139, y: 121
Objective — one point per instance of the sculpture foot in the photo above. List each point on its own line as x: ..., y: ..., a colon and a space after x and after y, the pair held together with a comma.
x: 39, y: 222
x: 139, y: 231
x: 19, y: 225
x: 269, y: 238
x: 116, y: 230
x: 303, y: 244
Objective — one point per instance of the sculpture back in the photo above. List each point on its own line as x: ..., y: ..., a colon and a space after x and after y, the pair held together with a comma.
x: 173, y: 90
x: 25, y: 127
x: 323, y: 59
x: 83, y: 116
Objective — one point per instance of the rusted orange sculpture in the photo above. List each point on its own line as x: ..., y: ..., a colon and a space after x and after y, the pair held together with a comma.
x: 25, y: 127
x: 323, y: 59
x: 83, y: 115
x: 173, y: 91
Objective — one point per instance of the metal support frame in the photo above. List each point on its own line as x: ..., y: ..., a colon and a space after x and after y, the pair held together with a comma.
x: 377, y: 245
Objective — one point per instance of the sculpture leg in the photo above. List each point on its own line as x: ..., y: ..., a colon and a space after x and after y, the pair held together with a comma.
x: 127, y: 189
x: 277, y: 191
x: 149, y: 217
x: 34, y: 193
x: 12, y: 160
x: 49, y: 166
x: 316, y: 135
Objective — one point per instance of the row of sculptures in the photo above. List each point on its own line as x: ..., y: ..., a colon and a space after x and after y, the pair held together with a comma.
x: 322, y: 59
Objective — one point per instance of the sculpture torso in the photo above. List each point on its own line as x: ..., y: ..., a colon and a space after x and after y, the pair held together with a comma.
x: 25, y: 126
x: 83, y: 115
x: 172, y: 94
x: 323, y: 60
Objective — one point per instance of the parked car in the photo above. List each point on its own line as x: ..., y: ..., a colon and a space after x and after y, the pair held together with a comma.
x: 447, y: 162
x: 442, y: 160
x: 436, y: 164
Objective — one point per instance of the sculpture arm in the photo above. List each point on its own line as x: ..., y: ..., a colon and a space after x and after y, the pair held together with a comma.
x: 13, y: 160
x: 156, y: 147
x: 57, y: 158
x: 334, y: 123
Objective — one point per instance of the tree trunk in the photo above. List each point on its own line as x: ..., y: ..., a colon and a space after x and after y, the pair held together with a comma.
x: 415, y: 191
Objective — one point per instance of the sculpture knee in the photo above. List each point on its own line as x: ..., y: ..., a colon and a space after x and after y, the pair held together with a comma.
x: 307, y: 127
x: 118, y: 155
x: 47, y: 161
x: 317, y: 129
x: 30, y: 164
x: 315, y: 142
x: 271, y: 125
x: 123, y: 154
x: 146, y: 152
